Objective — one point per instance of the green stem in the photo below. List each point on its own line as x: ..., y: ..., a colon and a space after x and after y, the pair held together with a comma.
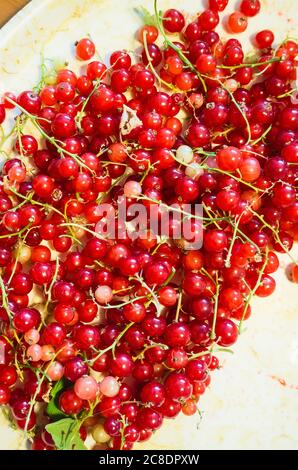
x: 213, y: 335
x: 53, y: 141
x: 153, y: 295
x: 175, y: 48
x: 178, y: 306
x: 228, y: 258
x: 5, y: 303
x: 255, y: 142
x: 122, y: 304
x: 83, y: 227
x: 174, y: 209
x: 49, y: 290
x: 253, y: 291
x: 113, y: 345
x: 158, y: 78
x: 255, y: 64
x: 275, y: 234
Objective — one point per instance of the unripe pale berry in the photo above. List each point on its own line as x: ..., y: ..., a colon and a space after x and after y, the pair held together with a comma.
x: 184, y: 154
x: 109, y: 386
x: 55, y: 371
x: 99, y: 434
x: 86, y: 388
x: 103, y: 294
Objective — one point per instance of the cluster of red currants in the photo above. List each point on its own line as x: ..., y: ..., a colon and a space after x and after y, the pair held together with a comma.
x: 130, y: 328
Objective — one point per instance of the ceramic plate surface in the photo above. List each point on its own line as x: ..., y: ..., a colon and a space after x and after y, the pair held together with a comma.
x: 253, y: 401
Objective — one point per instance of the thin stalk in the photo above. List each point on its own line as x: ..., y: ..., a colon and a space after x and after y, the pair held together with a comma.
x: 275, y: 234
x: 175, y: 48
x: 113, y: 345
x: 40, y: 380
x: 253, y: 291
x: 255, y: 64
x: 217, y: 284
x: 153, y: 295
x: 5, y: 303
x: 49, y: 290
x: 122, y: 304
x: 73, y: 224
x: 158, y: 78
x: 229, y: 254
x: 206, y: 209
x: 255, y: 142
x: 53, y: 141
x: 178, y: 307
x: 174, y: 209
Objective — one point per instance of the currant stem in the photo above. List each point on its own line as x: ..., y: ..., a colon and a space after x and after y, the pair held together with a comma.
x: 253, y: 291
x: 228, y: 258
x: 52, y: 140
x: 113, y: 345
x: 158, y: 78
x: 178, y: 306
x: 5, y: 303
x: 255, y: 64
x: 213, y: 335
x: 175, y: 48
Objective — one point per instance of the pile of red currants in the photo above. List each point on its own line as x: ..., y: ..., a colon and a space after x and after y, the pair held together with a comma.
x: 110, y: 336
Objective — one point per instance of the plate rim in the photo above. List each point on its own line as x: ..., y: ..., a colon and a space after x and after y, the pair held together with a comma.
x: 20, y: 17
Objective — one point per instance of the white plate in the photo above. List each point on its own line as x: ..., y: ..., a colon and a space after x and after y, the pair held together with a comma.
x: 246, y: 406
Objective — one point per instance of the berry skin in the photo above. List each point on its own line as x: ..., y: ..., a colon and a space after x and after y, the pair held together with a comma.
x: 229, y: 159
x: 294, y: 273
x: 85, y: 49
x: 206, y: 63
x: 250, y: 7
x: 63, y: 126
x: 150, y: 419
x: 208, y: 20
x: 196, y: 370
x: 26, y: 319
x: 30, y: 101
x: 153, y: 393
x: 70, y: 403
x: 121, y: 365
x: 156, y: 273
x: 86, y: 388
x: 86, y: 337
x: 177, y: 334
x: 148, y: 31
x: 176, y: 358
x: 173, y: 21
x: 134, y: 312
x: 193, y: 284
x: 177, y: 386
x: 54, y: 334
x: 8, y: 375
x: 109, y: 406
x: 218, y: 5
x: 264, y: 38
x: 2, y: 113
x: 237, y: 22
x: 109, y: 386
x: 198, y: 135
x: 226, y: 332
x: 215, y: 240
x: 75, y: 368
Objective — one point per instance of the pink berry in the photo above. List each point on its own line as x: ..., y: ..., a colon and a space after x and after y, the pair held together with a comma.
x: 109, y: 386
x: 86, y: 388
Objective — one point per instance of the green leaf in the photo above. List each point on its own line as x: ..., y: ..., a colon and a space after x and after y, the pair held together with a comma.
x: 146, y: 16
x: 66, y: 434
x: 53, y: 409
